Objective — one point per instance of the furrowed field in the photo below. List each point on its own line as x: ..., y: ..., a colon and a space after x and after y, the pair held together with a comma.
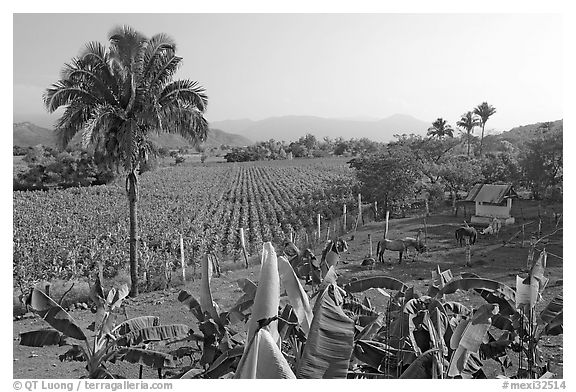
x: 64, y: 233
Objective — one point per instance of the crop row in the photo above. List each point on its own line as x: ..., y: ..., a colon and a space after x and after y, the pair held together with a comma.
x: 63, y: 233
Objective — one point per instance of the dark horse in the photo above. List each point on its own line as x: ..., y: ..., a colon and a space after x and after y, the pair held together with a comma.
x: 466, y: 231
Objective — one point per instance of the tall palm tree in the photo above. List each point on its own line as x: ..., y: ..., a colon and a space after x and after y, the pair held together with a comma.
x: 117, y: 97
x: 440, y: 128
x: 468, y: 122
x: 484, y: 111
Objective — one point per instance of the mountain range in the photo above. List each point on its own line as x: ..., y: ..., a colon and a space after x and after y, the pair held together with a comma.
x: 290, y: 128
x: 26, y: 134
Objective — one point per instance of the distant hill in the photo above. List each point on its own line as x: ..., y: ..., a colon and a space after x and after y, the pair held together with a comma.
x: 26, y: 134
x: 291, y: 128
x: 519, y: 135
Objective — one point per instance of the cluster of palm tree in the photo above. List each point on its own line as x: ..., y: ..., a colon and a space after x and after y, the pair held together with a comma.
x: 117, y: 97
x: 468, y: 121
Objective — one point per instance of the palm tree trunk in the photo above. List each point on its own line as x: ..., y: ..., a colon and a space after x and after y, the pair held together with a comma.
x: 132, y: 190
x: 468, y: 138
x: 482, y: 138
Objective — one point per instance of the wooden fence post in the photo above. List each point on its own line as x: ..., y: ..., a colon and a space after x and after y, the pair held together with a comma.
x: 468, y: 263
x: 344, y: 216
x: 182, y: 261
x: 370, y: 240
x: 328, y: 232
x: 359, y: 212
x: 318, y: 224
x: 243, y: 245
x: 386, y: 230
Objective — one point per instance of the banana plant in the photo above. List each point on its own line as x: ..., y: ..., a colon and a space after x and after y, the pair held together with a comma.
x: 222, y: 345
x: 110, y: 342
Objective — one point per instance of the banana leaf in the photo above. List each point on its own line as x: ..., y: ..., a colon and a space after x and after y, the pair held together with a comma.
x: 457, y: 308
x: 415, y: 305
x: 554, y: 307
x: 206, y: 301
x: 263, y: 359
x: 555, y: 326
x: 267, y: 297
x: 371, y: 329
x: 490, y: 290
x: 119, y: 294
x: 154, y: 334
x: 375, y: 353
x: 421, y: 368
x: 189, y: 301
x: 355, y: 306
x: 249, y: 288
x: 54, y: 315
x: 296, y: 294
x: 223, y: 364
x: 136, y: 324
x: 139, y: 356
x: 330, y: 341
x: 384, y: 282
x: 41, y: 338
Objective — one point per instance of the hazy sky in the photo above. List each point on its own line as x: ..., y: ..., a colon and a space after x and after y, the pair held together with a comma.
x: 328, y: 65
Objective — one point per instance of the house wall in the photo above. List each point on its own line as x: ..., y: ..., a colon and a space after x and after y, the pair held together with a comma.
x: 494, y: 211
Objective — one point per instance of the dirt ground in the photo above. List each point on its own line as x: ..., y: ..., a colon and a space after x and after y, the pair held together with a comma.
x: 490, y: 259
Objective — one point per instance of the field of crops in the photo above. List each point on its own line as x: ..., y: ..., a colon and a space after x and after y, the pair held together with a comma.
x: 63, y: 233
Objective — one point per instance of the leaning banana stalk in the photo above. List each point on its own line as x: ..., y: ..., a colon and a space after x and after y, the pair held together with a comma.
x: 206, y: 302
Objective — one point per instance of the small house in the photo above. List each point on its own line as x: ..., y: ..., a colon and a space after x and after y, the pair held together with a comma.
x: 492, y: 201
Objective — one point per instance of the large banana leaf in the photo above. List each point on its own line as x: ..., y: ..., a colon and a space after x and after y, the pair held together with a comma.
x: 296, y: 294
x: 382, y: 281
x: 206, y: 302
x: 422, y: 367
x: 330, y: 341
x: 154, y: 334
x: 41, y: 338
x: 188, y: 300
x: 415, y: 305
x: 54, y: 315
x: 153, y: 359
x: 491, y: 291
x: 267, y: 297
x: 136, y: 324
x: 263, y: 359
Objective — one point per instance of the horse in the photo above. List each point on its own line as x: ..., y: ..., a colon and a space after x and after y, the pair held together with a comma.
x: 466, y: 231
x: 386, y: 244
x: 417, y: 244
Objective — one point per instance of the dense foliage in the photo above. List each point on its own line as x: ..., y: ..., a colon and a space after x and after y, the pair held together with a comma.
x: 48, y: 169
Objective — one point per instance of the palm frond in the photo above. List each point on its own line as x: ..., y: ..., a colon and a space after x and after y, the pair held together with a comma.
x: 64, y: 92
x: 158, y: 45
x: 184, y: 91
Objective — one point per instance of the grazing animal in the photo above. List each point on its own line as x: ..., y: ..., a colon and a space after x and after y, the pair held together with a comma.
x: 386, y: 244
x: 411, y: 242
x: 494, y: 227
x: 469, y: 232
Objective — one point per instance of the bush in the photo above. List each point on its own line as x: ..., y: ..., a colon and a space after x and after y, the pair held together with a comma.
x: 48, y: 168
